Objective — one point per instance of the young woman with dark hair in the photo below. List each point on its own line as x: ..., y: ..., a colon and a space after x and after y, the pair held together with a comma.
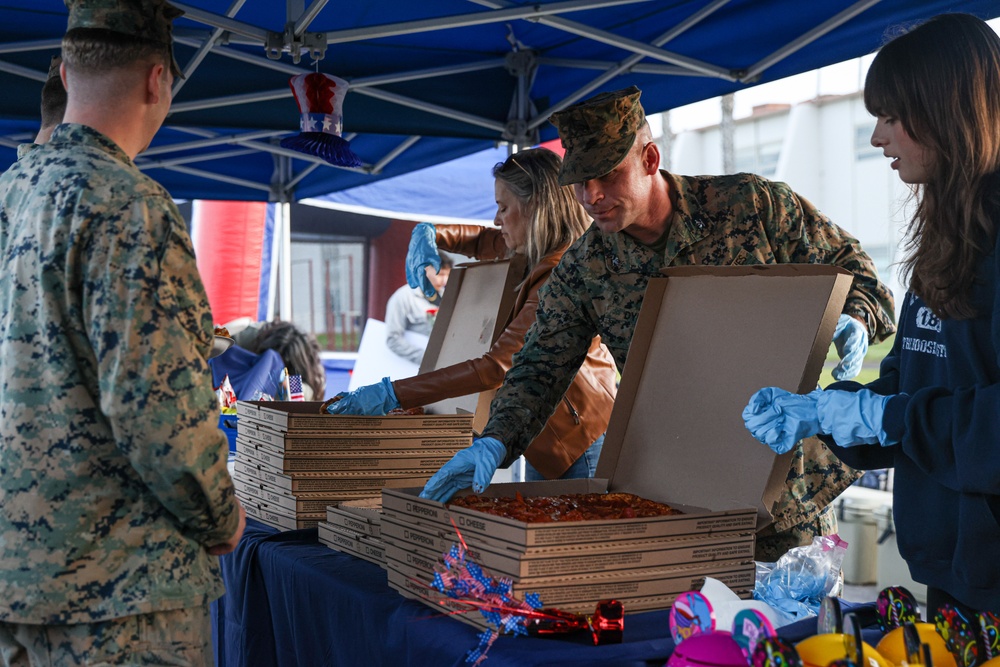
x: 933, y: 412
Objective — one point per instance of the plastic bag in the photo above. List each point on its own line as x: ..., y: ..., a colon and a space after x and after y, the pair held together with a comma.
x: 798, y: 582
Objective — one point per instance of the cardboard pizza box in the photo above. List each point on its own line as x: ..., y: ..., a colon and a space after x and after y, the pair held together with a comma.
x: 289, y: 504
x: 599, y: 556
x: 429, y: 460
x: 361, y: 546
x: 475, y: 309
x: 705, y: 340
x: 267, y: 515
x: 291, y: 416
x: 265, y: 492
x: 349, y: 519
x: 306, y: 482
x: 415, y: 590
x: 531, y: 572
x: 589, y: 589
x: 302, y: 443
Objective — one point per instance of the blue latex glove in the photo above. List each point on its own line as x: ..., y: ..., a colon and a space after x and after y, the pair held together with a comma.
x: 423, y: 252
x: 779, y: 419
x: 473, y: 466
x: 853, y: 418
x: 851, y: 339
x: 372, y: 399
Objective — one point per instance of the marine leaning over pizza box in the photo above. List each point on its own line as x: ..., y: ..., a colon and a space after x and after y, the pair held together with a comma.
x: 645, y: 220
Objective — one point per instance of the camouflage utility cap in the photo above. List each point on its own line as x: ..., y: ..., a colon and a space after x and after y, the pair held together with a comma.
x: 147, y: 20
x: 598, y: 133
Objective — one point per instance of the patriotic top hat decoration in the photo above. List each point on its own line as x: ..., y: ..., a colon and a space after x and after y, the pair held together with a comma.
x: 320, y: 98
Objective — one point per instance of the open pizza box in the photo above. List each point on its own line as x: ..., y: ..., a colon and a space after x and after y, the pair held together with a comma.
x: 475, y: 309
x: 705, y: 340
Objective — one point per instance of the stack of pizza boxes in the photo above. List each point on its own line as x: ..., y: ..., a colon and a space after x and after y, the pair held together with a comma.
x: 292, y: 461
x: 354, y: 527
x: 298, y: 468
x: 705, y: 340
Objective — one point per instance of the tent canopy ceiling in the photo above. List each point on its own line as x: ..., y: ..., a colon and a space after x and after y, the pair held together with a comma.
x: 432, y: 80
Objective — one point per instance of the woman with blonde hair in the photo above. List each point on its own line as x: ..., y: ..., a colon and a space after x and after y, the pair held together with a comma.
x: 539, y: 219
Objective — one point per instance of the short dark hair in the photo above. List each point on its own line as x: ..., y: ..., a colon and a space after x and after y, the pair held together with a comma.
x: 53, y: 102
x: 95, y: 50
x: 298, y: 350
x: 446, y: 261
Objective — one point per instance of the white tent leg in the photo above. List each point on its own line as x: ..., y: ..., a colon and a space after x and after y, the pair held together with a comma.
x: 283, y: 213
x: 272, y: 292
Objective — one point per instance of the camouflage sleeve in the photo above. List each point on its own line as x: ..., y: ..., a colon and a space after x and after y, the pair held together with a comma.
x: 798, y: 232
x: 554, y: 348
x: 151, y: 330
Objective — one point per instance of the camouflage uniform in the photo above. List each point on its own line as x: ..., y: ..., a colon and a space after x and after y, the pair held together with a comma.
x: 181, y: 637
x: 149, y: 20
x: 113, y: 472
x: 598, y: 288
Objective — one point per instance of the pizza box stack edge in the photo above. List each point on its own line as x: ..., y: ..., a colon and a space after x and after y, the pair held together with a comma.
x: 292, y: 462
x: 354, y: 527
x: 706, y: 339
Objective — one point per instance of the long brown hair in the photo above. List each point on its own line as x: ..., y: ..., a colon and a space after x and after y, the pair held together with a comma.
x: 941, y: 80
x: 557, y: 218
x: 299, y: 351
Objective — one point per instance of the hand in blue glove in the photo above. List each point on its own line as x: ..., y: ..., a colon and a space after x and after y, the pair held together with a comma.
x: 473, y: 466
x: 779, y: 419
x: 851, y: 339
x: 423, y: 252
x: 372, y: 399
x: 853, y: 418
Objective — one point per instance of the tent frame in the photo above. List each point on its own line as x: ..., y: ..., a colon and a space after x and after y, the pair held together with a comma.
x: 294, y: 38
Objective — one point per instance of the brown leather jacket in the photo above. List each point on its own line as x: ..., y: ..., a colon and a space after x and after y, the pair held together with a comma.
x: 583, y: 413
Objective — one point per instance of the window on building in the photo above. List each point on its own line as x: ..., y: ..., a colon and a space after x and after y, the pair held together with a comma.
x: 759, y: 159
x: 328, y: 291
x: 767, y: 158
x: 745, y: 159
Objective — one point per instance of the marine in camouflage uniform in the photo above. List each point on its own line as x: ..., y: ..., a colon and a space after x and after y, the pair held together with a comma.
x: 598, y: 288
x: 113, y: 480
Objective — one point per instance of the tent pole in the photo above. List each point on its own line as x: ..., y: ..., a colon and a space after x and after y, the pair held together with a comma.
x: 280, y: 303
x: 272, y: 279
x: 283, y: 176
x: 285, y: 304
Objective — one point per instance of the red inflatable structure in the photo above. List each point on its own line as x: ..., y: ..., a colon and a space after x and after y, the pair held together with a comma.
x: 229, y: 245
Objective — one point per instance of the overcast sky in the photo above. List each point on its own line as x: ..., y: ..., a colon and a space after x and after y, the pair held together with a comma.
x: 839, y: 79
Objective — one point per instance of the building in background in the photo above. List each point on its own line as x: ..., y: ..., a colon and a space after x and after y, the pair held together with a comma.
x: 821, y: 148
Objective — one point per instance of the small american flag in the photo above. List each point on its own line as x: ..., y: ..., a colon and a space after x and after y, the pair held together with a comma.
x: 295, y: 388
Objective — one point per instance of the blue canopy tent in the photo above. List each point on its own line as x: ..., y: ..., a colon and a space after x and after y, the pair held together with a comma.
x: 436, y: 79
x: 460, y: 190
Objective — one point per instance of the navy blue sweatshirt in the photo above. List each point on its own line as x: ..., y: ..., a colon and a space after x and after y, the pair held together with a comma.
x: 945, y: 375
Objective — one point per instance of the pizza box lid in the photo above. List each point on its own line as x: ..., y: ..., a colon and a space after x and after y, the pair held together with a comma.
x: 475, y: 310
x: 706, y: 339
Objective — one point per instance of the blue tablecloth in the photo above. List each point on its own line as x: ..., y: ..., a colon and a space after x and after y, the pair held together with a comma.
x: 293, y: 602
